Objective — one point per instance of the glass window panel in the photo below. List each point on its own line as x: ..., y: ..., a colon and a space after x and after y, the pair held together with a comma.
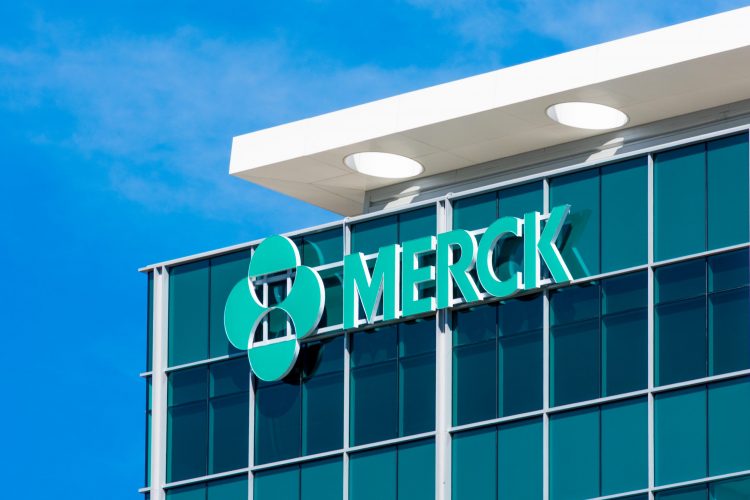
x: 573, y: 304
x: 417, y: 223
x: 277, y: 484
x: 234, y: 488
x: 475, y: 325
x: 575, y: 360
x: 370, y: 235
x: 416, y: 471
x: 727, y: 166
x: 579, y: 239
x: 149, y: 321
x: 188, y: 312
x: 322, y: 480
x: 372, y: 475
x: 186, y: 386
x: 624, y: 238
x: 475, y: 465
x: 515, y: 202
x: 699, y: 492
x: 374, y: 346
x: 325, y: 356
x: 277, y: 319
x: 474, y: 382
x: 731, y: 489
x: 323, y: 413
x: 574, y: 454
x: 417, y: 377
x: 475, y: 212
x: 226, y: 272
x: 681, y: 281
x: 374, y: 418
x: 520, y: 368
x: 680, y: 202
x: 322, y: 248
x: 334, y: 300
x: 729, y: 331
x: 230, y: 377
x: 520, y: 460
x: 624, y: 447
x: 193, y: 492
x: 680, y: 435
x: 728, y: 270
x: 625, y: 293
x: 187, y: 442
x: 277, y: 420
x: 681, y: 341
x: 229, y: 416
x: 728, y: 429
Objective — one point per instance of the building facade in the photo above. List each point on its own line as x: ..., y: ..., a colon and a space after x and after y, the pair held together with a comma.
x: 629, y: 380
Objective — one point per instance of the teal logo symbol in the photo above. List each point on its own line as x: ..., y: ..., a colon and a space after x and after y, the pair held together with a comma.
x: 273, y: 359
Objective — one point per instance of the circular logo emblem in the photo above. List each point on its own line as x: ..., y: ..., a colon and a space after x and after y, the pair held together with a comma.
x: 273, y: 359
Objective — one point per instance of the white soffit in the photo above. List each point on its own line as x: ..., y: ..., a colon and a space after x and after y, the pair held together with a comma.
x: 652, y: 76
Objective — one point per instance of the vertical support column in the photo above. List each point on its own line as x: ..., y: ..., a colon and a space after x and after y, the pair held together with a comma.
x: 159, y: 383
x: 545, y: 369
x: 251, y: 409
x: 650, y: 319
x: 443, y: 379
x: 347, y: 375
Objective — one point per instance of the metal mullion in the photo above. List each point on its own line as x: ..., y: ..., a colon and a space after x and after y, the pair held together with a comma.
x: 703, y: 480
x: 159, y: 382
x: 251, y: 425
x: 296, y: 460
x: 698, y: 255
x: 206, y: 478
x: 443, y: 381
x: 651, y: 346
x: 347, y: 240
x: 545, y: 368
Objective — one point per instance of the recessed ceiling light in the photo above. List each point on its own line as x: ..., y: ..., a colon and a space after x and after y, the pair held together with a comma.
x: 587, y: 115
x: 388, y: 165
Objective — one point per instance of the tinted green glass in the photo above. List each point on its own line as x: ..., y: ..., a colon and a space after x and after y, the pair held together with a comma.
x: 227, y: 445
x: 475, y: 325
x: 579, y: 243
x: 187, y: 441
x: 322, y: 248
x: 574, y: 454
x: 519, y: 459
x: 322, y: 480
x: 277, y: 319
x: 680, y: 341
x: 322, y: 395
x: 624, y: 446
x: 699, y: 492
x: 680, y: 435
x: 520, y: 355
x: 277, y: 484
x: 727, y: 271
x: 680, y: 202
x: 416, y: 377
x: 727, y: 166
x: 417, y: 223
x: 374, y: 371
x: 728, y: 331
x: 475, y: 212
x: 188, y: 312
x: 226, y: 272
x: 680, y: 281
x: 193, y: 492
x: 624, y: 214
x: 372, y: 475
x: 624, y: 334
x: 515, y: 202
x: 227, y: 489
x: 416, y: 471
x: 728, y: 429
x: 187, y: 386
x: 334, y: 300
x: 475, y: 364
x: 277, y: 420
x: 230, y: 377
x: 730, y: 489
x: 369, y: 236
x: 475, y: 465
x: 149, y: 321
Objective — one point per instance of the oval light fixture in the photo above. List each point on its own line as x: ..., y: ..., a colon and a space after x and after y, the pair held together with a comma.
x: 587, y: 115
x: 387, y: 165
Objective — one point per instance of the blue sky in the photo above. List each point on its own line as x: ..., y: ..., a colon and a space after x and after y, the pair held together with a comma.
x: 115, y: 127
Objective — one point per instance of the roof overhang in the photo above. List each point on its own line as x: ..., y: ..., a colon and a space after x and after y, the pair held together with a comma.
x: 652, y: 76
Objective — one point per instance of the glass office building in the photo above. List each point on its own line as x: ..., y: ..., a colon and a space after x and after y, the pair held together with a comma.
x: 631, y: 381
